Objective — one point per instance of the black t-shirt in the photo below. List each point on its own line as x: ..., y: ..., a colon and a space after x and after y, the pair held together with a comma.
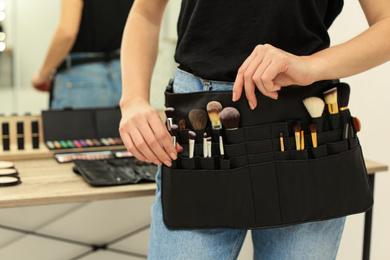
x: 102, y: 25
x: 216, y: 36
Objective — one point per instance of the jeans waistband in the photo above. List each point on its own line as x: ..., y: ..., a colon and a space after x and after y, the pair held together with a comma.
x: 79, y: 58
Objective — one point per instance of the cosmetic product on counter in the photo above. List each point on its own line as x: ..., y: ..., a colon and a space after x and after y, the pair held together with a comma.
x: 6, y: 181
x: 35, y: 134
x: 5, y: 136
x: 20, y: 135
x: 82, y: 128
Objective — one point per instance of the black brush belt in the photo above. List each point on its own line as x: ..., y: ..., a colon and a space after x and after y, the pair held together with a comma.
x: 255, y: 184
x: 100, y: 57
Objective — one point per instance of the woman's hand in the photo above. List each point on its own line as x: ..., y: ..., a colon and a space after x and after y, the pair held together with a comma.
x: 145, y: 135
x: 41, y: 82
x: 268, y: 69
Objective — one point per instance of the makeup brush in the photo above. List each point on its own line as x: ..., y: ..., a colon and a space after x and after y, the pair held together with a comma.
x: 191, y: 138
x: 169, y: 111
x: 356, y: 123
x: 214, y: 109
x: 343, y: 93
x: 313, y: 131
x: 281, y: 142
x: 198, y: 118
x: 330, y: 97
x: 174, y: 129
x: 230, y: 118
x: 315, y: 106
x: 209, y: 146
x: 297, y: 131
x: 302, y: 137
x: 182, y: 124
x: 205, y: 145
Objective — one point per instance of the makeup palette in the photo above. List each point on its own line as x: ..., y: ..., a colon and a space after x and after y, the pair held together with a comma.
x: 82, y: 128
x: 90, y: 156
x: 9, y: 176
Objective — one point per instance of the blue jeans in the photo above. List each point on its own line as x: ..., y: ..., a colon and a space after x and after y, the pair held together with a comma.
x: 89, y: 85
x: 313, y: 240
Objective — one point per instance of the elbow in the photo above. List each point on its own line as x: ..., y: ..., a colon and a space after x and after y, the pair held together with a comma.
x: 67, y: 35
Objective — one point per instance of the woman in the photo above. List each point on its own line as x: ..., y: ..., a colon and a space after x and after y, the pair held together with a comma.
x: 240, y: 46
x: 83, y: 56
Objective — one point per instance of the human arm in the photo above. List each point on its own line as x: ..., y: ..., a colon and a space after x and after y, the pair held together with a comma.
x: 61, y: 43
x: 269, y: 68
x: 142, y: 131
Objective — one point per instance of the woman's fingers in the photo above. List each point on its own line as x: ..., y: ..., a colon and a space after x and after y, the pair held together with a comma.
x: 145, y: 135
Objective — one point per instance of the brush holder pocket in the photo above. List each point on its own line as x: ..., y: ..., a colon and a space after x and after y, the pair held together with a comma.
x: 253, y: 184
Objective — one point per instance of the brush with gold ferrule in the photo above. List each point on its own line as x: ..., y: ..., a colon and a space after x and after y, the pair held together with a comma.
x: 302, y: 139
x: 297, y: 133
x: 313, y: 132
x: 281, y: 142
x: 214, y: 109
x: 330, y: 97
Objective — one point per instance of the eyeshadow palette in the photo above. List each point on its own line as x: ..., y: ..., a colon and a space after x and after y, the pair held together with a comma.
x: 81, y: 128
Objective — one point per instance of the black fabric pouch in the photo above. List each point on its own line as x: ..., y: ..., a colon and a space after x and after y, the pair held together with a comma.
x: 115, y: 171
x: 256, y: 185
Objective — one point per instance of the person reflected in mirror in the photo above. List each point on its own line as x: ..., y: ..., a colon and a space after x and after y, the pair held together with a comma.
x: 82, y: 67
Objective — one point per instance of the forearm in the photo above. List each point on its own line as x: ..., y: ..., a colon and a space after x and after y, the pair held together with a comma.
x: 60, y: 46
x: 139, y: 53
x: 367, y: 50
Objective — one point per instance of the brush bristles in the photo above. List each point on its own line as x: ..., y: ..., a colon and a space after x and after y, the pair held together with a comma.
x: 169, y: 112
x: 182, y: 124
x: 214, y: 108
x: 313, y: 128
x: 330, y: 96
x: 357, y: 124
x: 343, y: 93
x: 315, y: 106
x: 191, y: 135
x: 198, y: 118
x: 230, y: 117
x: 174, y: 129
x: 297, y: 128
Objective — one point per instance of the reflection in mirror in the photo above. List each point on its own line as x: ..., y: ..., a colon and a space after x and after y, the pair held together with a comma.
x: 29, y: 32
x: 6, y: 58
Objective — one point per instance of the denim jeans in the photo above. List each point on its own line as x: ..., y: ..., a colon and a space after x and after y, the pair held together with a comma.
x: 89, y: 85
x: 312, y: 241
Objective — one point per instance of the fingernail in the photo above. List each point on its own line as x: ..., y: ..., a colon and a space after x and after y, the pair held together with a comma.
x: 234, y: 97
x: 251, y: 105
x: 173, y: 156
x: 168, y: 163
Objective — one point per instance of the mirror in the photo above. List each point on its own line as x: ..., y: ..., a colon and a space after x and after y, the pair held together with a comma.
x: 31, y: 24
x: 6, y: 54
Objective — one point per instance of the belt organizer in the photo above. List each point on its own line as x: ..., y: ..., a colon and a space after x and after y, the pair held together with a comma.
x: 256, y: 185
